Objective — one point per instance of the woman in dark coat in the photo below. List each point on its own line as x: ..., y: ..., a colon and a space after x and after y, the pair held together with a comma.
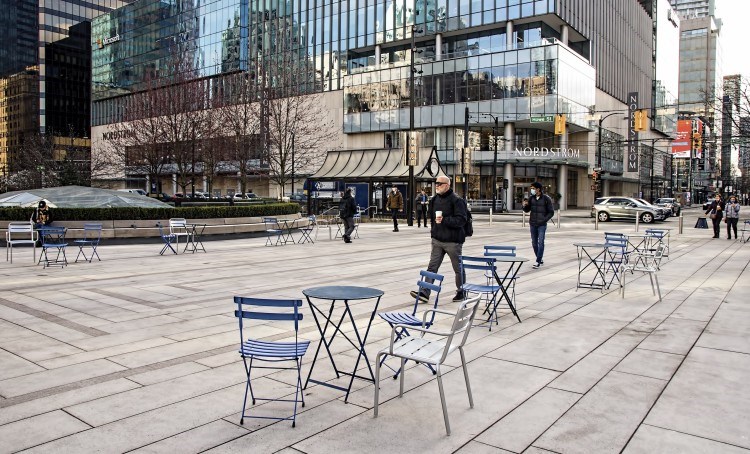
x: 716, y: 211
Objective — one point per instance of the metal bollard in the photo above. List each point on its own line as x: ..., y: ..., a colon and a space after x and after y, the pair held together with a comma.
x: 523, y: 219
x: 490, y: 215
x: 679, y: 225
x: 596, y: 219
x: 637, y: 219
x: 558, y: 219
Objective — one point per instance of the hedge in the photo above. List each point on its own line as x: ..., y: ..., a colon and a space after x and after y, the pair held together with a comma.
x: 144, y: 214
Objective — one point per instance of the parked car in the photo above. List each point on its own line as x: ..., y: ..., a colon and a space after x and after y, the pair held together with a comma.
x: 670, y: 203
x: 134, y: 191
x: 299, y: 198
x: 237, y: 196
x: 608, y: 208
x: 163, y: 196
x: 665, y: 212
x: 250, y: 195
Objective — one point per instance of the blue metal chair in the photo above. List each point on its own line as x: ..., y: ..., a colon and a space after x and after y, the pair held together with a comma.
x: 616, y: 255
x: 92, y: 234
x: 410, y: 319
x: 272, y: 229
x: 267, y: 351
x: 168, y: 239
x: 53, y: 239
x: 500, y: 251
x: 307, y: 230
x: 474, y: 267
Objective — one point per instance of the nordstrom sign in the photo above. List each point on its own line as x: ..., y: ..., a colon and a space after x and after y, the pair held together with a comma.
x: 544, y: 152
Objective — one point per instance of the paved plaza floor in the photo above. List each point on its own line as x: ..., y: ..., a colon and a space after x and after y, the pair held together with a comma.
x: 138, y: 352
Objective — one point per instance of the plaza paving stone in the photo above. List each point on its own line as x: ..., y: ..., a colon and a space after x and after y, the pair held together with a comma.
x: 138, y: 352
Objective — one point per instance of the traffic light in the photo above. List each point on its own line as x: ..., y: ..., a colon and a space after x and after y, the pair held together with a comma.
x: 505, y: 183
x: 594, y: 176
x: 560, y: 121
x: 641, y: 120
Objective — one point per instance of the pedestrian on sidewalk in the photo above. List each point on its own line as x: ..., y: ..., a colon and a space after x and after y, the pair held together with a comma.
x: 541, y: 208
x: 421, y: 208
x: 448, y: 214
x: 347, y: 210
x: 732, y: 216
x: 395, y: 203
x: 716, y: 213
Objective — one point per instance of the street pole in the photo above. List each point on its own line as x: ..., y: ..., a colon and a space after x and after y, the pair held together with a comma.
x: 292, y: 163
x: 464, y: 170
x: 494, y: 171
x: 410, y: 189
x: 651, y: 190
x: 598, y: 185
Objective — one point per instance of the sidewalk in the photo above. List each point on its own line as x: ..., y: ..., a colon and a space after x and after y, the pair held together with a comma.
x: 138, y: 352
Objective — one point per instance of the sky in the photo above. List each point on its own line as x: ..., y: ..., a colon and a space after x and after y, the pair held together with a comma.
x: 734, y: 42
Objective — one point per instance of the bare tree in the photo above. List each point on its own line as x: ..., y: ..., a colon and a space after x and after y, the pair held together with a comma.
x: 35, y: 165
x: 240, y: 115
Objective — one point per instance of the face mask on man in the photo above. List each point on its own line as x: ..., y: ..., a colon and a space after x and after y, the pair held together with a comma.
x: 533, y: 191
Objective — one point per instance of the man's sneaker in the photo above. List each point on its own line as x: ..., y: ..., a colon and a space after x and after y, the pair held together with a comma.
x: 423, y: 297
x: 536, y: 265
x: 460, y: 296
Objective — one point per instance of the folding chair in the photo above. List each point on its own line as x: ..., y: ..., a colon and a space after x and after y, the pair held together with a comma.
x: 501, y: 251
x: 272, y: 228
x: 477, y: 269
x: 268, y: 351
x: 660, y: 236
x: 178, y: 227
x: 53, y: 239
x: 408, y: 319
x: 20, y: 233
x: 307, y: 230
x: 432, y: 351
x: 167, y: 238
x: 745, y: 231
x: 92, y: 234
x: 645, y: 263
x: 616, y: 254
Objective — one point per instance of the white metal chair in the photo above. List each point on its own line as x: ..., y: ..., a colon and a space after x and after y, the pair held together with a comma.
x: 178, y: 227
x: 20, y: 233
x: 432, y: 351
x: 745, y: 231
x: 644, y: 262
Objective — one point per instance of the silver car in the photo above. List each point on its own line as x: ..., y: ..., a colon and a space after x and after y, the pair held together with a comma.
x: 669, y: 202
x: 608, y: 208
x: 665, y: 212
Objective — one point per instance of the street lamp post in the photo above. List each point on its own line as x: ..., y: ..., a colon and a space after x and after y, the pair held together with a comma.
x: 410, y: 198
x: 494, y: 162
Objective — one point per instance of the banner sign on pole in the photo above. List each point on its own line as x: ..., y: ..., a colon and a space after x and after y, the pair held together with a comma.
x: 632, y: 133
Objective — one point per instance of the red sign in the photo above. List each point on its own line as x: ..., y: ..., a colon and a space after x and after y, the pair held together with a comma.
x: 681, y: 144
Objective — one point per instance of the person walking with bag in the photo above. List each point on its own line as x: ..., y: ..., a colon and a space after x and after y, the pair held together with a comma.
x: 716, y: 213
x: 395, y: 203
x: 347, y: 210
x: 542, y: 209
x: 448, y: 216
x: 732, y: 216
x: 421, y: 209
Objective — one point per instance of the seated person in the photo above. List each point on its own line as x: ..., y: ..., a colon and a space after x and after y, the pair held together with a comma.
x: 42, y: 215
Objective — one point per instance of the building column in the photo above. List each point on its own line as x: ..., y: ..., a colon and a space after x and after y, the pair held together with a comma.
x: 562, y: 174
x: 605, y: 188
x: 562, y: 184
x: 509, y: 35
x: 438, y: 46
x: 148, y: 184
x: 564, y: 34
x: 205, y: 183
x: 174, y: 183
x: 377, y: 55
x: 510, y: 132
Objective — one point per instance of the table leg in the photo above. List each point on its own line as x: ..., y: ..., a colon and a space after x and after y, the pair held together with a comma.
x: 362, y: 341
x: 313, y: 309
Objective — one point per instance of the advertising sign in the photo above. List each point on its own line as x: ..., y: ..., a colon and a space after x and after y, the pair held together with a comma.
x: 632, y: 155
x: 681, y: 143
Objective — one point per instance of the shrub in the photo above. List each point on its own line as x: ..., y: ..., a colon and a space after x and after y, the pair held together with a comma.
x: 144, y: 214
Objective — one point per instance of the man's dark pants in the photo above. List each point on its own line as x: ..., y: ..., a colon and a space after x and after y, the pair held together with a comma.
x: 537, y: 241
x: 439, y: 249
x: 421, y: 217
x: 348, y: 227
x: 394, y: 213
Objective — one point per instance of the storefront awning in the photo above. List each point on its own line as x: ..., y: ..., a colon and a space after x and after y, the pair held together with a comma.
x: 370, y: 164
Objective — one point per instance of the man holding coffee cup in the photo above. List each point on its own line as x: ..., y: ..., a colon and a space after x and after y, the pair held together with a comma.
x: 448, y: 214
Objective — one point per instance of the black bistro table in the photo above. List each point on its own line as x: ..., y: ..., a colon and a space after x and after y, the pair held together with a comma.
x: 591, y: 255
x: 506, y: 281
x: 325, y: 320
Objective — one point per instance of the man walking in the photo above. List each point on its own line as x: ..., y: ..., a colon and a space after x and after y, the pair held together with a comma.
x: 541, y: 208
x: 448, y: 215
x: 395, y: 203
x: 421, y: 208
x: 347, y: 209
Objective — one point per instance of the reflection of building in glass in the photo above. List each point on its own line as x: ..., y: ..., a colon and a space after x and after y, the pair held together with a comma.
x: 520, y: 61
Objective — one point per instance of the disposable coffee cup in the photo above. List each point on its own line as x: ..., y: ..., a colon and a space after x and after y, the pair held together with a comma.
x: 438, y: 214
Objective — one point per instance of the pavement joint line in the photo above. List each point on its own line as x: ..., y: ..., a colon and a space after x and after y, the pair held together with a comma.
x: 694, y: 435
x: 131, y: 299
x: 52, y: 318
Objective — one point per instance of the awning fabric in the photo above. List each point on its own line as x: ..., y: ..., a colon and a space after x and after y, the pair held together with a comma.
x: 366, y: 164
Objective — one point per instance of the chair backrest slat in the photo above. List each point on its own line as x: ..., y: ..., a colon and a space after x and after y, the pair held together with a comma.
x: 268, y: 302
x: 267, y: 315
x: 241, y: 314
x: 428, y: 286
x: 499, y: 251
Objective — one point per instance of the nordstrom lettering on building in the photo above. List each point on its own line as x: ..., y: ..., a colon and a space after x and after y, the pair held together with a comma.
x: 544, y: 152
